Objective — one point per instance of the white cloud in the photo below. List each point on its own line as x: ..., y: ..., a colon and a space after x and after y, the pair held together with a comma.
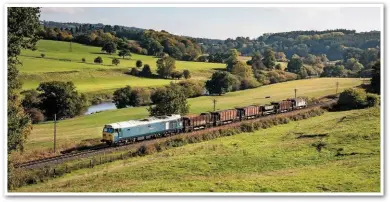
x: 68, y: 10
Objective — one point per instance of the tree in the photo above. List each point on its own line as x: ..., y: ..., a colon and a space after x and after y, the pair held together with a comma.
x: 281, y: 57
x: 278, y: 66
x: 352, y: 98
x: 109, y: 47
x: 61, y: 98
x: 43, y: 55
x: 169, y: 100
x: 122, y: 97
x: 36, y: 115
x: 353, y: 65
x: 126, y: 97
x: 242, y: 70
x: 165, y: 66
x: 295, y: 65
x: 82, y: 59
x: 138, y: 64
x: 115, y: 61
x: 146, y: 71
x: 310, y: 59
x: 221, y: 82
x: 98, y: 60
x: 176, y: 75
x: 22, y: 33
x: 269, y: 58
x: 232, y: 59
x: 123, y: 53
x: 134, y: 71
x: 31, y: 99
x: 376, y: 77
x: 186, y: 74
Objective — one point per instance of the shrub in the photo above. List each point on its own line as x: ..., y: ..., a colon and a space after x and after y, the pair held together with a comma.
x: 248, y: 83
x: 115, y: 61
x: 138, y: 64
x: 83, y: 60
x: 176, y: 75
x: 42, y: 55
x: 36, y: 115
x: 278, y: 66
x: 186, y: 74
x: 192, y: 88
x: 146, y: 71
x: 134, y: 71
x: 98, y: 60
x: 352, y: 98
x: 373, y: 100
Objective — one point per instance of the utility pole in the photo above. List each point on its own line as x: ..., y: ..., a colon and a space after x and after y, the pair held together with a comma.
x: 337, y: 87
x: 214, y: 101
x: 70, y: 46
x: 55, y: 131
x: 295, y: 90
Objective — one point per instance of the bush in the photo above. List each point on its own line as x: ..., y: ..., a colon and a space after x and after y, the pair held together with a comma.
x: 146, y: 71
x: 138, y: 64
x: 373, y: 100
x: 83, y: 60
x: 42, y: 55
x: 115, y: 61
x: 36, y: 115
x: 186, y: 74
x: 352, y: 98
x: 278, y: 66
x: 192, y: 88
x: 98, y: 60
x: 248, y: 83
x: 176, y: 75
x: 134, y: 71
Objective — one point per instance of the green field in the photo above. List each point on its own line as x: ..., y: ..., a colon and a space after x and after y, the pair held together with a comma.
x: 269, y: 160
x: 89, y: 127
x: 62, y: 65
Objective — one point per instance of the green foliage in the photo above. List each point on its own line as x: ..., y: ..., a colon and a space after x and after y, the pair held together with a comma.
x: 176, y: 75
x: 248, y: 83
x: 122, y: 97
x: 165, y: 66
x: 269, y: 58
x: 83, y: 60
x: 232, y: 59
x: 61, y: 98
x: 376, y: 77
x: 186, y: 74
x: 36, y: 115
x: 353, y: 65
x: 295, y: 65
x: 115, y: 61
x: 31, y: 99
x: 134, y: 71
x: 139, y: 97
x: 43, y: 55
x: 311, y: 59
x: 192, y: 88
x: 333, y: 71
x: 123, y: 53
x: 221, y: 82
x: 22, y: 33
x: 373, y: 100
x: 303, y: 73
x: 146, y: 71
x: 169, y: 100
x: 278, y: 66
x: 280, y: 57
x: 352, y: 98
x: 138, y: 64
x: 109, y: 47
x: 98, y: 60
x: 242, y: 70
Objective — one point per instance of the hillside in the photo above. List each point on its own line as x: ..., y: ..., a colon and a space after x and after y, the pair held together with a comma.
x: 87, y: 129
x: 60, y: 64
x: 279, y: 159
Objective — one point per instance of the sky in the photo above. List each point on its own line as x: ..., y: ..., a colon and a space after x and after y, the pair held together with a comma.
x: 223, y: 23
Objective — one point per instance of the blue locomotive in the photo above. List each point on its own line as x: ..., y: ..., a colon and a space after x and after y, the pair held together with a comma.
x: 134, y: 130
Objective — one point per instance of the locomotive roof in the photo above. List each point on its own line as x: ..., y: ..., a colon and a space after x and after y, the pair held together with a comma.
x: 132, y: 123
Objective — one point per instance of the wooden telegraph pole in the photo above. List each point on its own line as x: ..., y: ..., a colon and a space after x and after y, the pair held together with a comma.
x: 337, y: 87
x: 55, y: 131
x: 295, y: 90
x: 215, y: 102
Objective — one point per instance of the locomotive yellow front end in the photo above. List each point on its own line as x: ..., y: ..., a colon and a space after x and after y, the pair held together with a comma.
x: 108, y: 136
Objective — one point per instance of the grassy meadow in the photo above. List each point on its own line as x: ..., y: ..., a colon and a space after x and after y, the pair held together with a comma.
x: 283, y: 158
x: 62, y: 65
x: 83, y: 129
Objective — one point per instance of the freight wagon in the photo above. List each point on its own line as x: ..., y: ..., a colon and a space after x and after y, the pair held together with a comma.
x: 283, y: 106
x: 134, y: 130
x: 298, y: 103
x: 267, y: 109
x: 196, y: 122
x: 248, y: 112
x: 224, y: 117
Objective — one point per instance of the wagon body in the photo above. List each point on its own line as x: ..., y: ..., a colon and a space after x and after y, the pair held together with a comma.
x: 283, y: 106
x: 298, y: 103
x: 224, y: 116
x: 196, y: 122
x: 248, y: 112
x: 267, y: 109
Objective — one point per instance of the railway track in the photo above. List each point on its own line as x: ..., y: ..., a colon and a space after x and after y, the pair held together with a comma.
x: 108, y: 149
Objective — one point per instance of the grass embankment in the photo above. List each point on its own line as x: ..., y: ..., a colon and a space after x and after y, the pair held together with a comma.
x: 335, y: 152
x: 60, y: 64
x: 88, y: 128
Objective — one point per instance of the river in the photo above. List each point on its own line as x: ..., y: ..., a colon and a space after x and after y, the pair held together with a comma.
x: 100, y: 107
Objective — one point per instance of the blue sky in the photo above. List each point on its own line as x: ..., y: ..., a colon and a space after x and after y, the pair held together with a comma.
x: 222, y: 23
